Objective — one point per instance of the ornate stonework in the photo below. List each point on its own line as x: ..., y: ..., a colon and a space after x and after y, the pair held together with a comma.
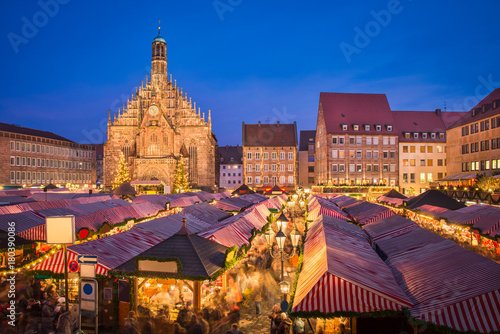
x: 158, y: 124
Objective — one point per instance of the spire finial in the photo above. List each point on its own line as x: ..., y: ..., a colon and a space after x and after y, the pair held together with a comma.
x: 159, y: 27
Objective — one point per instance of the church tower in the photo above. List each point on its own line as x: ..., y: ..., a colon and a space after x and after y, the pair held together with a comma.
x: 159, y: 60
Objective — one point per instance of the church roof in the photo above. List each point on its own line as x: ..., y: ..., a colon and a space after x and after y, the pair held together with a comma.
x: 159, y: 39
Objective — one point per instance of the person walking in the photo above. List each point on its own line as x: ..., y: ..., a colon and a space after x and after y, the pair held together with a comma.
x: 258, y: 300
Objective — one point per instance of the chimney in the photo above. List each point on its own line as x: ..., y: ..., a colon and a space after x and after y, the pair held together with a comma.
x: 438, y: 112
x: 278, y: 123
x: 259, y: 123
x: 227, y: 147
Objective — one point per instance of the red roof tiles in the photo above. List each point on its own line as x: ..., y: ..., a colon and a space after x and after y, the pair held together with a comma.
x: 270, y: 134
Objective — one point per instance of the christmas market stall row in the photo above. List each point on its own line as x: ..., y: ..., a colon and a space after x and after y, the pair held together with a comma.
x: 387, y: 272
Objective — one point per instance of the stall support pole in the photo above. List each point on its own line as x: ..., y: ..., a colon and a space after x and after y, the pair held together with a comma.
x: 224, y: 281
x: 354, y: 326
x: 136, y: 294
x: 197, y: 295
x: 65, y: 274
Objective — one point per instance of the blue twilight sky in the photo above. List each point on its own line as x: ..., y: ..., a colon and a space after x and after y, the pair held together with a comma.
x: 246, y: 60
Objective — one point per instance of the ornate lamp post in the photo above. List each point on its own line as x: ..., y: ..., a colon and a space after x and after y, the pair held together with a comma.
x: 280, y: 237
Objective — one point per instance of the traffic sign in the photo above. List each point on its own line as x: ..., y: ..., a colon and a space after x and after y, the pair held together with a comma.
x: 88, y: 290
x: 73, y: 266
x: 87, y: 259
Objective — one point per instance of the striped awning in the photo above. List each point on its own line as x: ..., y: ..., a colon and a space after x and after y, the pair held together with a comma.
x: 341, y: 273
x: 448, y: 285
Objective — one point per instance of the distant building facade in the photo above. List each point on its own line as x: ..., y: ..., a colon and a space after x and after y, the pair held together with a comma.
x: 159, y: 125
x: 33, y: 157
x: 422, y: 148
x: 306, y: 158
x: 356, y: 142
x: 474, y: 140
x: 231, y: 167
x: 270, y: 155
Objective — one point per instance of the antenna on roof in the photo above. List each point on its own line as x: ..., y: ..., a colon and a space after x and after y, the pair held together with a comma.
x: 444, y: 105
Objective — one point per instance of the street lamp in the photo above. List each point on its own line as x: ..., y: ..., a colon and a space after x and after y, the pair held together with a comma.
x: 280, y: 237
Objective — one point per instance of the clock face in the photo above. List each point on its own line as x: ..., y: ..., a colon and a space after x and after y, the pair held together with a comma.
x: 153, y: 110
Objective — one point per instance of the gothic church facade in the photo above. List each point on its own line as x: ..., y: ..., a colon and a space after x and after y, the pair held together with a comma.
x: 157, y: 126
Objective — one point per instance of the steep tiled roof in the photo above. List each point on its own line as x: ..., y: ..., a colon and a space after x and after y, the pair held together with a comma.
x: 419, y: 122
x: 306, y: 137
x: 356, y: 109
x: 270, y: 134
x: 436, y: 198
x: 491, y: 104
x: 30, y: 132
x: 228, y: 152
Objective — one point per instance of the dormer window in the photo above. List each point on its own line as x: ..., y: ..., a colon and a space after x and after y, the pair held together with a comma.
x: 367, y: 127
x: 424, y: 135
x: 388, y: 127
x: 221, y: 159
x: 433, y: 135
x: 344, y: 127
x: 232, y: 159
x: 415, y: 134
x: 355, y: 127
x: 407, y: 135
x: 441, y: 135
x: 378, y: 127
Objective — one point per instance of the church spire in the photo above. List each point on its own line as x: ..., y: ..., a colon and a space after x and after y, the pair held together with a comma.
x: 109, y: 116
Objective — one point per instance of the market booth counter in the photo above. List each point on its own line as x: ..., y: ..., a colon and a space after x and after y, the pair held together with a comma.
x: 177, y: 271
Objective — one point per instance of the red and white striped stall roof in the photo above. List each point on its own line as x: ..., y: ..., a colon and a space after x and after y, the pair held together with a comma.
x: 366, y: 213
x: 322, y: 206
x: 342, y: 273
x: 237, y: 230
x: 55, y: 263
x: 431, y: 210
x: 448, y: 285
x: 469, y: 215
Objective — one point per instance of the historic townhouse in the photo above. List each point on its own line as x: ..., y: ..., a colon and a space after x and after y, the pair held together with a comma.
x: 306, y: 158
x: 231, y: 167
x: 422, y: 147
x: 356, y: 142
x: 474, y: 140
x: 35, y: 158
x: 270, y: 155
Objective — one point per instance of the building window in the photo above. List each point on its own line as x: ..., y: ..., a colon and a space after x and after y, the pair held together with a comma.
x: 282, y: 167
x: 429, y: 149
x: 378, y: 127
x: 257, y: 168
x: 392, y: 154
x: 334, y: 168
x: 352, y: 168
x: 375, y: 168
x: 441, y: 135
x: 352, y: 140
x: 422, y: 162
x: 368, y: 154
x: 405, y: 162
x: 433, y: 135
x: 424, y: 135
x: 334, y: 154
x: 249, y: 180
x: 412, y: 149
x: 352, y: 154
x: 341, y: 154
x: 266, y: 168
x: 412, y: 177
x: 405, y: 177
x: 429, y: 162
x: 310, y: 158
x: 415, y: 135
x: 422, y: 149
x: 375, y: 154
x: 359, y: 168
x: 290, y: 167
x: 385, y: 168
x: 274, y: 168
x: 385, y: 140
x: 335, y: 140
x: 440, y: 176
x: 375, y: 140
x: 274, y: 155
x: 355, y: 127
x: 266, y: 155
x: 392, y: 168
x: 385, y: 154
x: 341, y: 168
x: 290, y: 155
x: 249, y: 155
x: 440, y: 162
x: 368, y: 140
x: 389, y: 127
x: 367, y: 127
x: 368, y: 168
x: 290, y: 180
x: 282, y: 155
x: 257, y: 156
x: 12, y: 161
x: 341, y: 140
x: 359, y: 154
x: 359, y: 140
x: 422, y: 177
x: 344, y: 127
x: 310, y: 169
x: 266, y: 179
x: 12, y: 146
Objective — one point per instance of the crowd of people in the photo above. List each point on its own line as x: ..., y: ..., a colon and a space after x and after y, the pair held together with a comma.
x: 39, y: 308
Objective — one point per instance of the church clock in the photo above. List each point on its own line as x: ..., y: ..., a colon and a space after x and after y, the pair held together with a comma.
x: 153, y: 110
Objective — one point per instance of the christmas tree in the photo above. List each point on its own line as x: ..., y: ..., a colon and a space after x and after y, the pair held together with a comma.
x: 122, y: 174
x: 181, y: 183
